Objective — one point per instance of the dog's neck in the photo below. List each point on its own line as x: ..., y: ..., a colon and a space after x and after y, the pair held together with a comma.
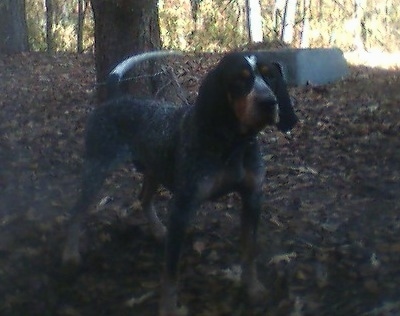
x: 219, y: 135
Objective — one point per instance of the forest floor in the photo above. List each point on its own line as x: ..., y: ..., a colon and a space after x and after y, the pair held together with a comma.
x: 329, y: 241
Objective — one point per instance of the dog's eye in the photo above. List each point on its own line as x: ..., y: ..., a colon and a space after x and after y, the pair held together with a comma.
x: 264, y: 70
x: 240, y: 83
x: 241, y: 78
x: 245, y: 74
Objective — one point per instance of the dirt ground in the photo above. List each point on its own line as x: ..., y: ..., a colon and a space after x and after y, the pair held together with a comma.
x: 329, y: 241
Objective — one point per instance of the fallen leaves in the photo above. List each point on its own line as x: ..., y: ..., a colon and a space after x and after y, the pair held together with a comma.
x: 233, y: 273
x: 139, y: 300
x: 199, y: 246
x: 286, y: 257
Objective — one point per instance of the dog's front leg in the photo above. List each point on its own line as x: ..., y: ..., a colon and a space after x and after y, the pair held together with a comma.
x: 251, y: 201
x: 179, y: 216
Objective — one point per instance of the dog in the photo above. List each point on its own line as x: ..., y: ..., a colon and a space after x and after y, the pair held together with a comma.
x: 198, y: 152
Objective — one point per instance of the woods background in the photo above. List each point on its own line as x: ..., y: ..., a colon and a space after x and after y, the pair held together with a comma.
x: 218, y: 25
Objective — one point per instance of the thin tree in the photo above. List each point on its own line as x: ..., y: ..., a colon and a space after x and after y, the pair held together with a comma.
x: 254, y: 21
x: 49, y: 25
x: 82, y: 5
x: 279, y: 6
x: 288, y: 21
x: 13, y: 28
x: 359, y: 31
x: 305, y: 41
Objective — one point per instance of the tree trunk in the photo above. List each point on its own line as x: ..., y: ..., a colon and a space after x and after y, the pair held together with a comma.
x: 305, y: 41
x: 49, y: 25
x: 82, y: 9
x: 195, y: 4
x: 279, y: 8
x: 254, y: 21
x: 124, y: 28
x: 321, y: 9
x: 288, y: 21
x: 13, y: 29
x: 359, y: 32
x: 79, y: 26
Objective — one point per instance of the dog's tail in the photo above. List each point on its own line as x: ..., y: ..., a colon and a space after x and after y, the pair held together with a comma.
x: 115, y: 76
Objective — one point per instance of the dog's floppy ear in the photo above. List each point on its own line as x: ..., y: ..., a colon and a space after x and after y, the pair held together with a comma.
x: 287, y: 117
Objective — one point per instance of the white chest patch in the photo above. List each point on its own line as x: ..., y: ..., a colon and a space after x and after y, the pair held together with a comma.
x: 252, y: 60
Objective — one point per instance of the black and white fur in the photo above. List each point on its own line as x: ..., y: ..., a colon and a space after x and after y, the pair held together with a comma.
x: 197, y: 152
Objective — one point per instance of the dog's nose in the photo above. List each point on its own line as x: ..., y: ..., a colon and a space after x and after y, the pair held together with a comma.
x: 263, y: 93
x: 268, y: 107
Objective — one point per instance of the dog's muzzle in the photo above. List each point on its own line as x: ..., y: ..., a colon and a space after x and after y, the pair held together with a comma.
x: 266, y: 102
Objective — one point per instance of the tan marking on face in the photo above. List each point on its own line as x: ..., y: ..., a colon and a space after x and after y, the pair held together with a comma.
x: 264, y: 70
x: 245, y: 74
x: 246, y: 113
x: 243, y: 110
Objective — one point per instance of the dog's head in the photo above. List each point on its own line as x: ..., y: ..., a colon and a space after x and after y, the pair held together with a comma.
x: 256, y: 92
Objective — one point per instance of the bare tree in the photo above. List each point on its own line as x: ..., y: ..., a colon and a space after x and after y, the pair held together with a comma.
x: 82, y: 8
x: 13, y: 29
x: 254, y: 21
x: 284, y: 18
x: 304, y: 41
x: 49, y: 25
x: 288, y: 21
x: 359, y: 31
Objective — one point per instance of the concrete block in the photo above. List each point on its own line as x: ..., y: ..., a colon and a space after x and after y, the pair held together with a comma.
x: 316, y: 66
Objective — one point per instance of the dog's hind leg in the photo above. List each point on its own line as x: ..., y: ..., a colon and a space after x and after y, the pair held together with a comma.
x: 150, y: 186
x: 93, y: 177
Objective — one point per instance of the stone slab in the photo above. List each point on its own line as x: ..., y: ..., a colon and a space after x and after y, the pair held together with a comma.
x: 315, y: 66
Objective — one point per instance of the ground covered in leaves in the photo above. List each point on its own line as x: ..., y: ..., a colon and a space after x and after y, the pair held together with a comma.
x: 329, y: 235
